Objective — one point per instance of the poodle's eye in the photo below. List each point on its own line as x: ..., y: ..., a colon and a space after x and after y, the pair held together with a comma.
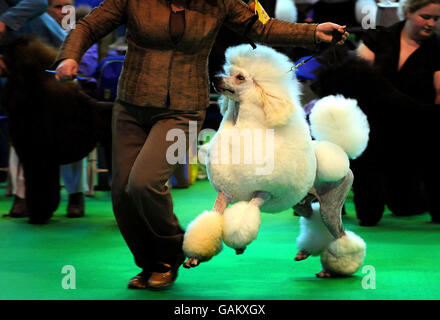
x: 240, y: 77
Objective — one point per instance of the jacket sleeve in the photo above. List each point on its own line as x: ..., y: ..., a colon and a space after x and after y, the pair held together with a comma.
x: 25, y: 10
x: 274, y: 33
x: 105, y: 18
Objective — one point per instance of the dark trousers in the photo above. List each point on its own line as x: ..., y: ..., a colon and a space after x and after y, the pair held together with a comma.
x: 142, y: 202
x: 406, y: 187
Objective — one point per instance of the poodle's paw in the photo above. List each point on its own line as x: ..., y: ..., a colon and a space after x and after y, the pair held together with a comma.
x: 240, y: 251
x: 191, y: 263
x: 302, y: 255
x: 325, y: 274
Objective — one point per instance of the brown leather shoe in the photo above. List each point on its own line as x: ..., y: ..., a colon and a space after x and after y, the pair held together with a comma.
x: 19, y: 208
x: 75, y: 207
x: 162, y: 280
x: 139, y: 281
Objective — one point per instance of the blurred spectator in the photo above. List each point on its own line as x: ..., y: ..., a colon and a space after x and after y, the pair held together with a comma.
x: 407, y: 54
x: 48, y: 27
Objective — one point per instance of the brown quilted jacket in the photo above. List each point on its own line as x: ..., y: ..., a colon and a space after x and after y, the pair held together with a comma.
x: 154, y: 66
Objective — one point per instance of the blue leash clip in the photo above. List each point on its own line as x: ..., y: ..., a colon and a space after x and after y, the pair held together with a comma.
x: 79, y: 78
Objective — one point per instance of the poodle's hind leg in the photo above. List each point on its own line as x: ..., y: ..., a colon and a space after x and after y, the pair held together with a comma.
x: 242, y: 222
x: 304, y: 209
x: 302, y: 255
x: 331, y: 196
x: 314, y: 236
x: 345, y: 254
x: 202, y: 238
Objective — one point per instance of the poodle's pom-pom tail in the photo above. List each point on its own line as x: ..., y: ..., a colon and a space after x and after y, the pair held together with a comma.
x: 344, y: 256
x: 332, y: 161
x: 203, y: 236
x: 341, y: 121
x: 314, y: 236
x: 241, y: 224
x: 286, y: 10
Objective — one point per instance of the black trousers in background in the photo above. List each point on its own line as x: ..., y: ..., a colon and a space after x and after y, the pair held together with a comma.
x: 142, y: 202
x: 407, y: 187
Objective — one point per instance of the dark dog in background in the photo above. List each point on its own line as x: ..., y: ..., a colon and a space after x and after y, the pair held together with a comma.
x: 50, y: 122
x: 399, y: 168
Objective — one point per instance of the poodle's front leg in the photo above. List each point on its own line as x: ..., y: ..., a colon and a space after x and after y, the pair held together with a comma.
x: 242, y: 222
x: 203, y: 236
x: 259, y: 197
x: 221, y: 202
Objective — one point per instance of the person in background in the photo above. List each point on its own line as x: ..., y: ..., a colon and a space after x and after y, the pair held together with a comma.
x: 48, y: 26
x: 13, y: 15
x: 16, y: 13
x: 408, y: 55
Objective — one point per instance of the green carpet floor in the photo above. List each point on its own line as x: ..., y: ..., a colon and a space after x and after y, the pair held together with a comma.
x: 402, y: 253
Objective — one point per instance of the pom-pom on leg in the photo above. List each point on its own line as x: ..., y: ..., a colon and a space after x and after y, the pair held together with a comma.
x: 242, y: 222
x: 202, y: 238
x: 343, y: 256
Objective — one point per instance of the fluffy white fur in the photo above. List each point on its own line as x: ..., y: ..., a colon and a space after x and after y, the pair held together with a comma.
x: 314, y: 236
x: 241, y: 224
x: 286, y: 10
x: 340, y: 120
x: 345, y: 255
x: 261, y: 94
x: 333, y: 163
x: 203, y: 236
x: 268, y: 99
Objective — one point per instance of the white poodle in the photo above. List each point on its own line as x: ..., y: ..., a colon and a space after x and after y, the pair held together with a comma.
x: 263, y: 158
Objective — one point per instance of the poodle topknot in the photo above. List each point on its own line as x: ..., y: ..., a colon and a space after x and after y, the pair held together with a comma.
x: 264, y: 77
x: 262, y: 64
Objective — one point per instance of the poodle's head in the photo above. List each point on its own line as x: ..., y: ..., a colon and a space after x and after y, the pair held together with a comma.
x: 260, y: 78
x: 26, y: 56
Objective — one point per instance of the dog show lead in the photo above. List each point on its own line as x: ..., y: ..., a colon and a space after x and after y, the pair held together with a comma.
x: 164, y: 85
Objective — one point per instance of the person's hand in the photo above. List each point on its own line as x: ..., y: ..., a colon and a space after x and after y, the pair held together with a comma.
x: 3, y: 29
x: 324, y: 31
x: 66, y: 70
x: 3, y: 68
x: 252, y: 6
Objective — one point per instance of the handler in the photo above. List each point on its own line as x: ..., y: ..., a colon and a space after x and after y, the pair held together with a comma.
x: 164, y: 85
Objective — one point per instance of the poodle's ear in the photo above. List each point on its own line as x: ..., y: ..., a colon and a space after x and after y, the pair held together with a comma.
x: 224, y: 102
x: 277, y: 107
